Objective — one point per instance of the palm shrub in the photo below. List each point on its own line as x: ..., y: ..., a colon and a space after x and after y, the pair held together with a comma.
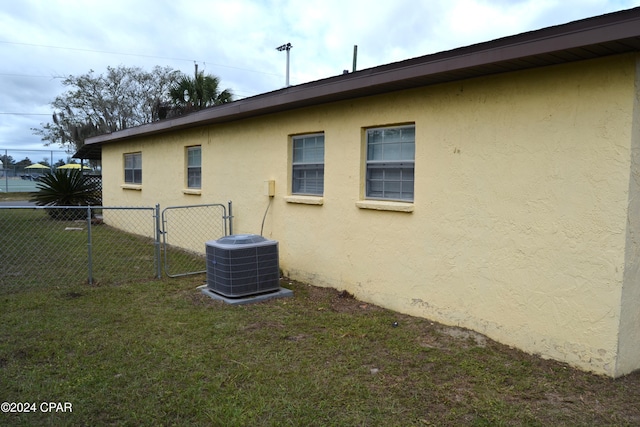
x: 198, y: 92
x: 67, y: 187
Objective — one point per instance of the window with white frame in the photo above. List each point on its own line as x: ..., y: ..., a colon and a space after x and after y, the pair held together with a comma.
x: 308, y: 164
x: 133, y: 168
x: 390, y: 163
x: 194, y: 167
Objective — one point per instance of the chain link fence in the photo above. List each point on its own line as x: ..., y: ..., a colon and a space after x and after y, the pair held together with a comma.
x: 104, y: 245
x: 75, y: 244
x: 20, y: 170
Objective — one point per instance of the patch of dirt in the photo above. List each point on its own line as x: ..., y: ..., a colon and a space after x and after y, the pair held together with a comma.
x: 464, y: 336
x: 72, y: 295
x: 344, y: 302
x: 430, y: 341
x: 199, y: 299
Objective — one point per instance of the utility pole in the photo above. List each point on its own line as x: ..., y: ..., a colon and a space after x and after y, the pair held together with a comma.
x: 286, y: 47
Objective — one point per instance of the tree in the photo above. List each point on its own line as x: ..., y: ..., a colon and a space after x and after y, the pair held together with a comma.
x: 7, y: 161
x: 96, y: 104
x: 24, y: 163
x: 198, y: 92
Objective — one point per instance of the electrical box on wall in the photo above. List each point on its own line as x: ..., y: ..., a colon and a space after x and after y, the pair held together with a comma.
x: 270, y: 188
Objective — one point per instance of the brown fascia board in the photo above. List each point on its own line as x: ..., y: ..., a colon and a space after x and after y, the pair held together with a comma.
x: 501, y: 55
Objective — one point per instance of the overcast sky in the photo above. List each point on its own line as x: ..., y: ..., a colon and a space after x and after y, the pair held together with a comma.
x: 44, y: 40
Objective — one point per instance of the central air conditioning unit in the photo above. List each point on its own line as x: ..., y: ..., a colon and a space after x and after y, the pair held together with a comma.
x: 242, y: 265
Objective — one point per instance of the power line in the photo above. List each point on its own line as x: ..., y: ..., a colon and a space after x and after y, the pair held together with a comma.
x: 26, y: 114
x: 56, y: 77
x: 27, y: 75
x: 131, y: 54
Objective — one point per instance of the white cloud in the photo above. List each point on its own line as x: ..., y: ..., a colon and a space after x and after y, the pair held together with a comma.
x: 236, y: 40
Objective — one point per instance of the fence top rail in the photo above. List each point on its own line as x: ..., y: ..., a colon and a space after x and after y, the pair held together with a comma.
x: 195, y: 206
x: 78, y: 207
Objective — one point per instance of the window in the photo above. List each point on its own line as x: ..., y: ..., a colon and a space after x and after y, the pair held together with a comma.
x: 194, y: 170
x: 133, y: 168
x: 390, y: 163
x: 308, y: 165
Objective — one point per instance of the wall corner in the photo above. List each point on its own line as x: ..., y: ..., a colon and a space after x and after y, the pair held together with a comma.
x: 628, y: 357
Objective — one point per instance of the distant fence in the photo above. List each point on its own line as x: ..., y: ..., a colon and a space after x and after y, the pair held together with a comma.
x: 104, y: 245
x: 20, y: 169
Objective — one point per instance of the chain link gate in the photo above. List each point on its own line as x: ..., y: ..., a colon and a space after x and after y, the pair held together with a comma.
x: 185, y: 230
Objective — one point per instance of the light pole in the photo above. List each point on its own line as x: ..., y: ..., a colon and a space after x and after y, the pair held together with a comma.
x: 286, y: 47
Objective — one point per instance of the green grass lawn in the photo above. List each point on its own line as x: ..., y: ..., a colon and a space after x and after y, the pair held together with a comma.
x: 11, y: 196
x: 158, y: 352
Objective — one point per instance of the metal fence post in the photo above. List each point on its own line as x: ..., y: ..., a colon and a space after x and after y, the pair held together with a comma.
x: 5, y: 171
x: 157, y: 243
x: 230, y: 217
x: 89, y: 246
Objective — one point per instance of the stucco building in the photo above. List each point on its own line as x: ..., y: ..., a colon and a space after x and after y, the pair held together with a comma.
x: 495, y: 187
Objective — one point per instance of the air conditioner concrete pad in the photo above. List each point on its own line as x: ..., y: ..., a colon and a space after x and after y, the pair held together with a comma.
x: 281, y: 293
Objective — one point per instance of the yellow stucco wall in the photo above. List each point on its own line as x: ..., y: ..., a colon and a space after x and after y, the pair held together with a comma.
x: 519, y: 227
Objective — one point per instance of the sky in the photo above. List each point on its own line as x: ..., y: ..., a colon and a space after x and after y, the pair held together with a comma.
x: 43, y: 41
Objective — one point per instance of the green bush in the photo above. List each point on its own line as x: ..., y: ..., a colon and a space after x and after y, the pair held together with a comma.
x: 67, y: 187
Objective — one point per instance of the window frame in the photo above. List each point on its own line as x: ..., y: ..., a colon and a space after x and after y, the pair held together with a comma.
x: 193, y: 168
x: 400, y: 169
x: 300, y: 185
x: 133, y: 173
